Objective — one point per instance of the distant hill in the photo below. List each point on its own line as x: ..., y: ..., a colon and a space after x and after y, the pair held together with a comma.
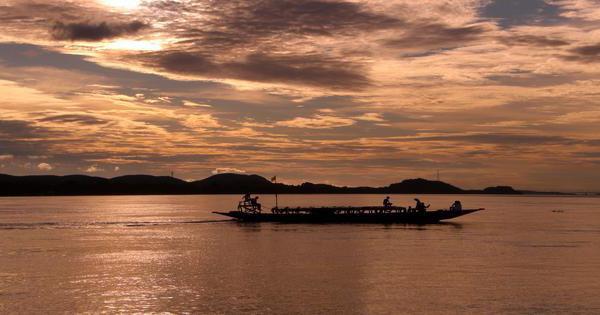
x: 88, y: 185
x: 423, y: 186
x: 233, y: 183
x: 501, y: 190
x: 47, y: 185
x: 148, y: 185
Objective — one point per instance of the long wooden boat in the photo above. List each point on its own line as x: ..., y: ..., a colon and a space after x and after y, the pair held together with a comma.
x: 347, y: 215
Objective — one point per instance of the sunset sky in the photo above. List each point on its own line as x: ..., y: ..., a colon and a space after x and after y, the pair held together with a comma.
x: 503, y: 92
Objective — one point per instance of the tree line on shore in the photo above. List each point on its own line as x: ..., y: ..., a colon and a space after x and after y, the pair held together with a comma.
x: 49, y: 185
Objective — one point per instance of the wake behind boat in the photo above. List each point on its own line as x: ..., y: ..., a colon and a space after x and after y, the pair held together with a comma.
x: 251, y: 212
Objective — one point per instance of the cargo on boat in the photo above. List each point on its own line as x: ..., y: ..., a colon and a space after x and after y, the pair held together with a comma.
x: 374, y: 214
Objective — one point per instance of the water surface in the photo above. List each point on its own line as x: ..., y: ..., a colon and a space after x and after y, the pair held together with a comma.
x: 171, y: 254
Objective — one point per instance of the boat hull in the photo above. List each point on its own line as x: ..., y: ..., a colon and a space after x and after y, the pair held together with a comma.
x: 327, y: 217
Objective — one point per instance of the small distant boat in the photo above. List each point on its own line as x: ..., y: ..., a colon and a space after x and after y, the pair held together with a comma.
x: 345, y: 215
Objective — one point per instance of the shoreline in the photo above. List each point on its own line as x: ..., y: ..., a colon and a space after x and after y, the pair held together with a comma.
x: 589, y: 195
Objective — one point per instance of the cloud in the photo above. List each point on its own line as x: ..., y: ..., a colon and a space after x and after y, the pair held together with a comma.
x: 303, y: 69
x: 22, y: 137
x: 533, y: 40
x: 85, y: 31
x: 586, y: 10
x: 529, y: 79
x: 592, y: 116
x: 221, y: 170
x: 312, y: 17
x: 45, y: 167
x: 20, y: 129
x: 242, y: 22
x: 317, y: 122
x: 184, y: 62
x: 333, y: 84
x: 201, y: 121
x: 425, y: 36
x: 306, y: 69
x: 93, y: 169
x: 374, y: 117
x: 501, y: 139
x: 585, y: 53
x: 194, y: 104
x: 74, y: 118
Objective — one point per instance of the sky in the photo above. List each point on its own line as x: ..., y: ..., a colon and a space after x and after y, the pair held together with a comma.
x: 488, y: 92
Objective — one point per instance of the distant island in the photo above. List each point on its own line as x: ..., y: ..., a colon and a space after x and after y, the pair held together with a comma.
x: 79, y: 185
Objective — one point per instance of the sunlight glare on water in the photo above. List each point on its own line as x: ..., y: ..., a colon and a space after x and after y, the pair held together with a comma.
x: 122, y: 4
x: 170, y: 253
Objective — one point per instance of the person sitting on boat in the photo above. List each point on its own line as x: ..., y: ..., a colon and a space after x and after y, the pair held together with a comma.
x: 247, y: 198
x: 386, y: 202
x: 456, y: 206
x: 255, y: 204
x: 420, y: 206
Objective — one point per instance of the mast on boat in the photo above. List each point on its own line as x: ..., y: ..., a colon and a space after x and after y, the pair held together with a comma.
x: 274, y: 180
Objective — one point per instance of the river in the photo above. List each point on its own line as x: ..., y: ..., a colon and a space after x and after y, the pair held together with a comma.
x: 523, y: 254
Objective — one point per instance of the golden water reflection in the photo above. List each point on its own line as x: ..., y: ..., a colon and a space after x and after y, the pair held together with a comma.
x: 143, y: 255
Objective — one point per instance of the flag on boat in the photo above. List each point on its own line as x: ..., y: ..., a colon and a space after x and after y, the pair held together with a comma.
x: 274, y: 178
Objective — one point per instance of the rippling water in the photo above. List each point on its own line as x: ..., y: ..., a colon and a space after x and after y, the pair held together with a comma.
x: 171, y: 254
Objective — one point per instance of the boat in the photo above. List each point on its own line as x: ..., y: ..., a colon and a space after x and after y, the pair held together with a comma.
x: 374, y: 214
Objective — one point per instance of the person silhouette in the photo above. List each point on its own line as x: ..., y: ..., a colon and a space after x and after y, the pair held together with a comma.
x: 456, y: 206
x: 420, y: 206
x: 255, y: 203
x: 386, y: 202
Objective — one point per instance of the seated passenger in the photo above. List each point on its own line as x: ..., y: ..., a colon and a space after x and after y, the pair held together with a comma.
x: 456, y: 206
x: 386, y: 202
x: 420, y: 206
x: 255, y: 203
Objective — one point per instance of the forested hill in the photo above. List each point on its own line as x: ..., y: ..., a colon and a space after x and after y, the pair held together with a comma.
x: 48, y: 185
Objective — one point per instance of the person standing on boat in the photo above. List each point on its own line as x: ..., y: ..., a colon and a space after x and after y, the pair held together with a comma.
x: 386, y: 202
x: 420, y: 206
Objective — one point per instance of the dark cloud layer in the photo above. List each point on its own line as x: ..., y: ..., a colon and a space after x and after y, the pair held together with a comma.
x: 73, y: 118
x: 302, y: 17
x: 15, y: 55
x: 530, y: 79
x: 68, y: 20
x: 94, y: 31
x: 18, y: 137
x: 587, y: 53
x: 247, y: 21
x: 17, y: 129
x: 315, y: 70
x: 258, y: 35
x: 424, y: 36
x: 533, y: 40
x: 503, y: 139
x: 259, y: 40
